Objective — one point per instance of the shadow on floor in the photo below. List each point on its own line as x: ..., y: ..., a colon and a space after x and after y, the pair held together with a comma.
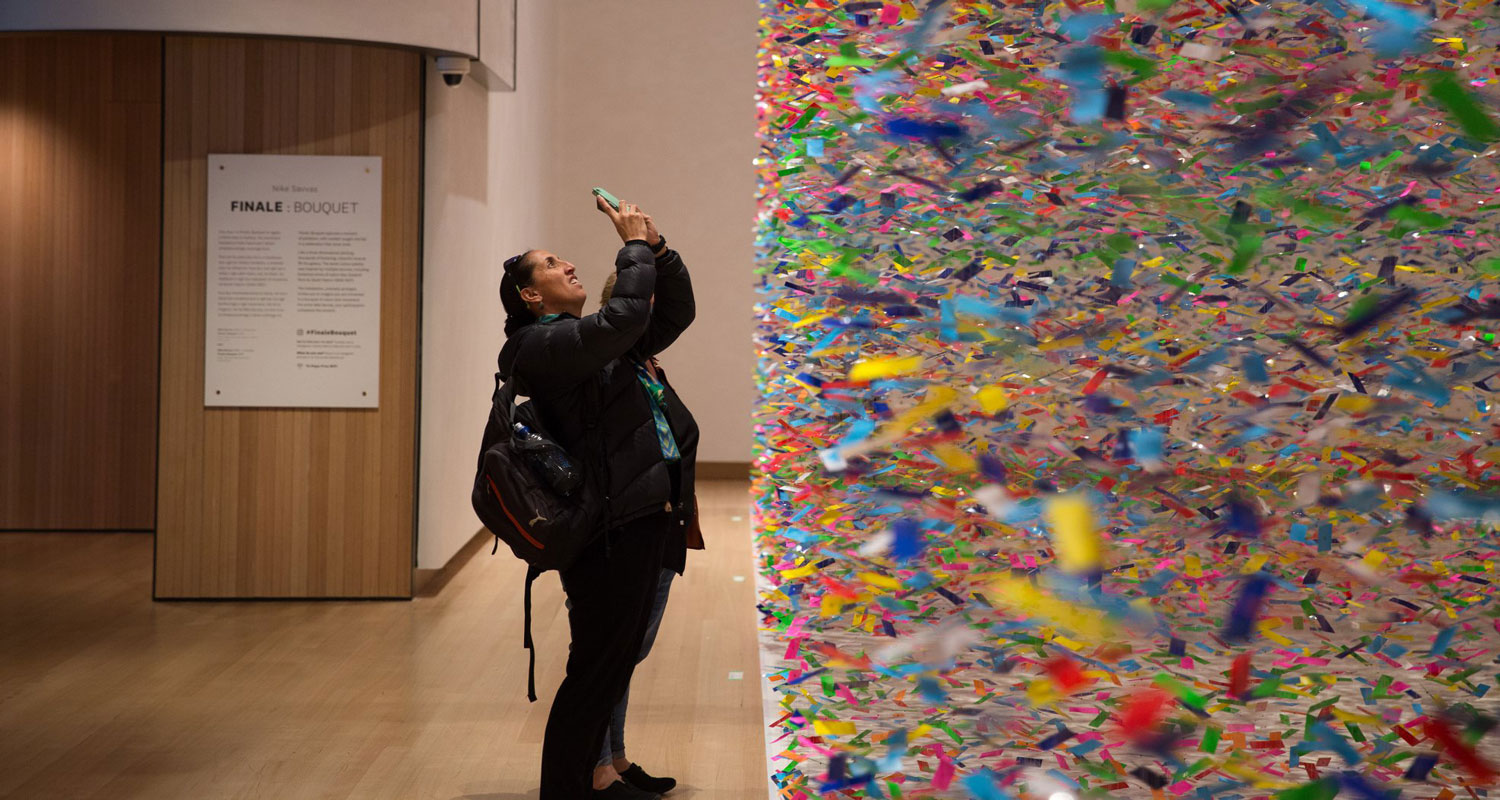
x: 680, y: 791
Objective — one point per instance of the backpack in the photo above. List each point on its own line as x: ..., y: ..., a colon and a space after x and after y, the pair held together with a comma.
x: 532, y: 495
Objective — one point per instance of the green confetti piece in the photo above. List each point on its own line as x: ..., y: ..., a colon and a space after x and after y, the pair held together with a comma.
x: 897, y: 60
x: 1193, y: 288
x: 1381, y: 685
x: 1245, y: 251
x: 1417, y: 217
x: 1470, y: 117
x: 1321, y: 789
x: 1397, y: 758
x: 1210, y: 742
x: 1142, y: 67
x: 1181, y: 691
x: 1266, y: 687
x: 807, y: 117
x: 1361, y: 308
x: 829, y: 224
x: 1321, y: 704
x: 1120, y: 242
x: 849, y: 57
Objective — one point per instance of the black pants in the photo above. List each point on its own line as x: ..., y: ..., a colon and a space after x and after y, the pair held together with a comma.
x: 611, y: 588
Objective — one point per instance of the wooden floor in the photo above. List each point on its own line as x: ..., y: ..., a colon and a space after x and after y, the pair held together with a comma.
x: 105, y: 694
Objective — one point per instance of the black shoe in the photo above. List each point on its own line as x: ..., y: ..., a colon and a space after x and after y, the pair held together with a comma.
x: 620, y: 790
x: 637, y: 777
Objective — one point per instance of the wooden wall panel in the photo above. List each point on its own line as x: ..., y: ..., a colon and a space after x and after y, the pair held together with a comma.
x: 80, y: 224
x: 287, y: 502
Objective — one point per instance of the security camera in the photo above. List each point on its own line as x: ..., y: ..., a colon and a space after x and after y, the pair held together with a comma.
x: 453, y: 69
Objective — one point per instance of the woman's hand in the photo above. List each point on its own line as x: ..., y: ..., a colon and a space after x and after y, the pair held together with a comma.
x: 629, y: 221
x: 653, y: 238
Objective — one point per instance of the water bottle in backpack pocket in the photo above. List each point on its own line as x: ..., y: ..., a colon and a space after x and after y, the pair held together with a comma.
x: 551, y: 462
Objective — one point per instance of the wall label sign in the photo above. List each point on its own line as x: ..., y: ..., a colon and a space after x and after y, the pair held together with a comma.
x: 292, y: 314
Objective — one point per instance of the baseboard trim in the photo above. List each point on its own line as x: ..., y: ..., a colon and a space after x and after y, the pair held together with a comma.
x: 723, y: 470
x: 428, y: 582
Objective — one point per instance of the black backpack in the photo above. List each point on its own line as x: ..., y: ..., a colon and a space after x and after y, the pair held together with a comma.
x: 533, y: 496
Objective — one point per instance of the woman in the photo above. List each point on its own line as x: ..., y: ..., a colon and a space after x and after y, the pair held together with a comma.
x: 613, y: 762
x: 587, y: 379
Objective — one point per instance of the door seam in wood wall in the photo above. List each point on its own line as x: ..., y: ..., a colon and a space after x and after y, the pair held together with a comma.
x: 161, y: 260
x: 416, y: 463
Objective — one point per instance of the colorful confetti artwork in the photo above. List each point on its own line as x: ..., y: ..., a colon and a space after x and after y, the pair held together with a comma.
x: 1127, y: 373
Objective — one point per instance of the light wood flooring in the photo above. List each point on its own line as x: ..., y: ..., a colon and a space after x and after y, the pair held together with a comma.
x: 106, y: 694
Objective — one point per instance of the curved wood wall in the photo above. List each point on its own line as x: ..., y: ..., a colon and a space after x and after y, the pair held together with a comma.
x: 287, y: 502
x: 80, y: 221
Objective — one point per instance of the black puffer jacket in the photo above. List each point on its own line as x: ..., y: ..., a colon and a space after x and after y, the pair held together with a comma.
x: 581, y: 377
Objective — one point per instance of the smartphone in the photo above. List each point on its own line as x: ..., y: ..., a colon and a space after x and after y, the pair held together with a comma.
x: 613, y: 201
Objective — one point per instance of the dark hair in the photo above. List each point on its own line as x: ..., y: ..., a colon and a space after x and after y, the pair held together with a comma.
x: 518, y: 271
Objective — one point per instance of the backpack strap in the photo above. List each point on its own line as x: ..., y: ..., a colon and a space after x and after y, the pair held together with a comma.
x: 501, y: 403
x: 531, y: 576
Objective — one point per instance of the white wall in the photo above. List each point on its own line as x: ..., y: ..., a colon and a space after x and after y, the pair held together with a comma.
x: 652, y: 99
x: 657, y: 104
x: 487, y: 176
x: 440, y: 25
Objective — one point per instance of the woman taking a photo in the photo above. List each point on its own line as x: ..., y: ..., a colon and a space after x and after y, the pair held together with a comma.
x: 590, y: 381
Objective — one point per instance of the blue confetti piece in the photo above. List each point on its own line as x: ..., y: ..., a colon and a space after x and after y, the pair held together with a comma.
x: 983, y: 786
x: 1440, y: 642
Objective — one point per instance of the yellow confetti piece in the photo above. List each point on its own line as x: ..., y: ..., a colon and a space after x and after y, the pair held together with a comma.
x: 992, y: 399
x: 873, y: 369
x: 1073, y: 533
x: 1022, y: 596
x: 832, y: 605
x: 798, y: 572
x: 1265, y: 630
x: 880, y: 581
x: 1358, y: 719
x: 828, y: 727
x: 1055, y: 344
x: 1042, y: 691
x: 954, y: 458
x: 812, y: 319
x: 1355, y: 404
